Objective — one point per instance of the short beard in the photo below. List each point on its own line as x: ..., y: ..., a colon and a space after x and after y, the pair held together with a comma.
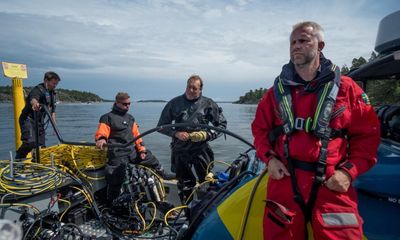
x: 306, y: 61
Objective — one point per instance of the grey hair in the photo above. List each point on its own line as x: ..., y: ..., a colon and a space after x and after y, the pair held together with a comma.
x: 318, y: 31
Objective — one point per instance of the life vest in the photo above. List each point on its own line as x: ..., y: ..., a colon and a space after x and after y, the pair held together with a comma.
x: 318, y: 125
x: 47, y: 96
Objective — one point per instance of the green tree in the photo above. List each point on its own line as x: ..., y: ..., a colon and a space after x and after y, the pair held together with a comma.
x: 252, y: 96
x: 372, y: 57
x: 357, y: 62
x: 64, y: 95
x: 386, y: 91
x: 344, y: 70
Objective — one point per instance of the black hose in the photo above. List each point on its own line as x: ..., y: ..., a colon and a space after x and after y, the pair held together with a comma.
x: 253, y: 192
x: 156, y: 129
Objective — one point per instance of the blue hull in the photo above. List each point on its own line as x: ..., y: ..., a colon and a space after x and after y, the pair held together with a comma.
x: 379, y: 194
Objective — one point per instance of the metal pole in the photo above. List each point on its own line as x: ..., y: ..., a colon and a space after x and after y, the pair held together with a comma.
x: 37, y: 144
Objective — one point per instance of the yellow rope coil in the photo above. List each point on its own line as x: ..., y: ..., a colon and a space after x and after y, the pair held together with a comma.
x: 76, y: 158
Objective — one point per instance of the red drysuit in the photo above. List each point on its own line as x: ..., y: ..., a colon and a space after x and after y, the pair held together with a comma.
x: 335, y: 215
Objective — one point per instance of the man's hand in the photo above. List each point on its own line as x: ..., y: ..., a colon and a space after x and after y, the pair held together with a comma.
x: 100, y: 143
x: 183, y: 136
x: 35, y: 104
x: 339, y: 182
x: 277, y: 169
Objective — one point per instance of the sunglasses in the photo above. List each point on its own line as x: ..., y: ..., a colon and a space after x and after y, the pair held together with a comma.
x: 126, y: 104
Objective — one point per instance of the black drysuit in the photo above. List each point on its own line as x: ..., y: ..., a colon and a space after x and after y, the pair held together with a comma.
x: 185, y: 154
x: 27, y: 122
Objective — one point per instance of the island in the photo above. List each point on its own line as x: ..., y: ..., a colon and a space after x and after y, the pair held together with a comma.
x: 63, y: 95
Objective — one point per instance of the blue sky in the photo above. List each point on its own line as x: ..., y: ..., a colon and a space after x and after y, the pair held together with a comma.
x: 149, y: 48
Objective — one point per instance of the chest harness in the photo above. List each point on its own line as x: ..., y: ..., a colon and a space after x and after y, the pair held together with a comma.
x: 48, y: 100
x: 318, y: 125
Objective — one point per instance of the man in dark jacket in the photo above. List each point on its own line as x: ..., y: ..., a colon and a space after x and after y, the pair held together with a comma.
x: 119, y: 127
x: 45, y: 94
x: 190, y: 146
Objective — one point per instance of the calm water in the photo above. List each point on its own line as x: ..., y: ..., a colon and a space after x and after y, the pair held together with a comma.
x: 78, y: 122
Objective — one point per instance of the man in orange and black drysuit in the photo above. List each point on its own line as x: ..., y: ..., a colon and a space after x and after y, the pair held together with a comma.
x: 119, y: 127
x: 317, y: 132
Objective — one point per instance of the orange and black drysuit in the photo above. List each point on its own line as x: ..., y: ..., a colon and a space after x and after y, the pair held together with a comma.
x: 27, y: 122
x: 314, y: 128
x: 120, y: 127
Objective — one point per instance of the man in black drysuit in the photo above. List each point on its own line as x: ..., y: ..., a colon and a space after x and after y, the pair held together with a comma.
x: 44, y: 93
x: 189, y: 147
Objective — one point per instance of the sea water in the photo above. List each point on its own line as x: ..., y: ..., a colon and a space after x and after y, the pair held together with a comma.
x: 78, y: 122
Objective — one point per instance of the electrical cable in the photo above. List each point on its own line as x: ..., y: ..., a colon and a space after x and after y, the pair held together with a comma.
x: 216, y: 161
x: 195, y: 189
x: 29, y: 178
x: 69, y: 205
x: 140, y: 215
x: 154, y: 215
x: 170, y: 211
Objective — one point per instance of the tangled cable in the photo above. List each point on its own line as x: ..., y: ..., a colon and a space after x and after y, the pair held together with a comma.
x: 76, y: 158
x: 26, y: 179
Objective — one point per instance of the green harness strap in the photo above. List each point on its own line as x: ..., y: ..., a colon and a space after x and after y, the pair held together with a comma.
x: 318, y: 126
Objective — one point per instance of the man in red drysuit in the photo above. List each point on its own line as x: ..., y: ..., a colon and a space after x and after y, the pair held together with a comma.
x: 317, y: 132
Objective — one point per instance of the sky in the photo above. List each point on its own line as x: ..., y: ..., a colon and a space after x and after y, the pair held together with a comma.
x: 150, y: 48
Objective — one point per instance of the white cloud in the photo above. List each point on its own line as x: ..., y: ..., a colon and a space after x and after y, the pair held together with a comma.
x: 227, y: 41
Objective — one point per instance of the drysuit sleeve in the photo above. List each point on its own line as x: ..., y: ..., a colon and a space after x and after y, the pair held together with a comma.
x: 262, y: 125
x: 139, y: 142
x: 35, y: 93
x: 53, y: 101
x: 218, y: 120
x: 103, y: 130
x: 363, y: 134
x: 167, y: 118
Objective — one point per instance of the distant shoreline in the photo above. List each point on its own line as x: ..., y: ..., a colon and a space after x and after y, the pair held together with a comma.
x: 146, y: 101
x: 106, y: 101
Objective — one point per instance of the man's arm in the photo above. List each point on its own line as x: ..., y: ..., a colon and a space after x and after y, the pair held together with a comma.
x: 363, y: 138
x: 34, y: 98
x: 35, y: 104
x: 166, y: 117
x: 218, y: 120
x: 103, y: 132
x: 140, y: 148
x: 261, y: 127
